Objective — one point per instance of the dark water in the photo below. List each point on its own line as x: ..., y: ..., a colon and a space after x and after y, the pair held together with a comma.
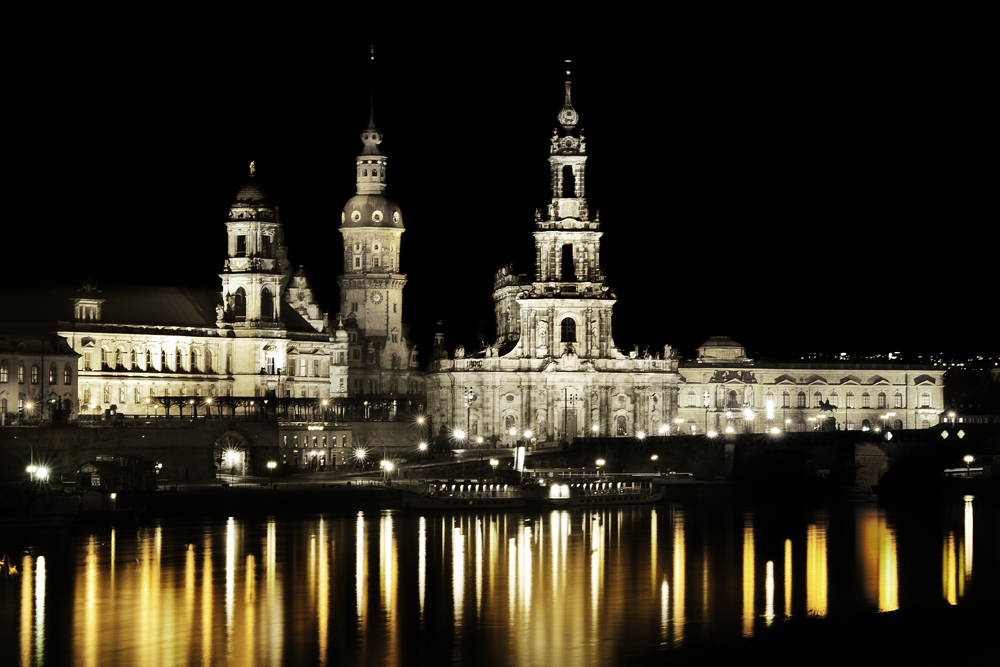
x: 561, y: 587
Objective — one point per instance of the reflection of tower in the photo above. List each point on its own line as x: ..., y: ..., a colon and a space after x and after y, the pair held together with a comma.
x: 251, y: 285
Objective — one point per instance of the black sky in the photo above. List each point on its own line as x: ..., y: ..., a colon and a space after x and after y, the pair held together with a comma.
x: 823, y: 191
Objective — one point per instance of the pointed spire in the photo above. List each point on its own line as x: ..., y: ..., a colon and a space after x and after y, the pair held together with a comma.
x: 568, y: 116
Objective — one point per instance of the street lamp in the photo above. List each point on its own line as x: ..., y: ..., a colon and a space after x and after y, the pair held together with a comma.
x: 271, y: 465
x: 968, y: 462
x: 600, y: 464
x: 493, y: 463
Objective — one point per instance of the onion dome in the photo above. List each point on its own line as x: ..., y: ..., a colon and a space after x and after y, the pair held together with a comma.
x: 340, y: 335
x: 252, y: 195
x: 365, y: 210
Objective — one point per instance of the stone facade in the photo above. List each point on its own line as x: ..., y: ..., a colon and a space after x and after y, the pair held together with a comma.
x: 722, y: 388
x: 38, y: 378
x: 554, y: 368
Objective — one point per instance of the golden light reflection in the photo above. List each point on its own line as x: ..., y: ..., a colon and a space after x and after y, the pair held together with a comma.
x: 748, y: 575
x: 968, y: 536
x: 949, y: 570
x: 27, y: 609
x: 230, y: 584
x: 876, y: 547
x: 596, y: 565
x: 457, y: 574
x: 422, y: 564
x: 323, y: 598
x: 816, y: 581
x: 664, y: 611
x: 40, y: 610
x: 275, y: 635
x: 250, y: 604
x: 788, y: 578
x: 888, y: 584
x: 387, y: 575
x: 207, y: 658
x: 653, y: 540
x: 479, y: 567
x: 90, y: 605
x: 769, y: 592
x: 679, y: 574
x: 361, y: 576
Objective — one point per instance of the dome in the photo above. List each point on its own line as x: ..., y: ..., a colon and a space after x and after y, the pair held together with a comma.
x: 252, y: 194
x: 371, y: 211
x: 720, y: 341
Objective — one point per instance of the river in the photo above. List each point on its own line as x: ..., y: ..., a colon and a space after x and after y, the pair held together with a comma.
x: 558, y: 587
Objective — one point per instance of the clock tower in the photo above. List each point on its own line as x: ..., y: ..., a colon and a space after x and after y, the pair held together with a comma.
x: 371, y: 285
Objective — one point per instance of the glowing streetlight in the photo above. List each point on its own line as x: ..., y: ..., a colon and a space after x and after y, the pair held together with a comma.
x: 711, y: 434
x: 600, y: 464
x: 968, y: 462
x: 641, y: 435
x: 595, y: 429
x: 422, y: 446
x: 493, y: 464
x: 775, y: 430
x: 271, y: 465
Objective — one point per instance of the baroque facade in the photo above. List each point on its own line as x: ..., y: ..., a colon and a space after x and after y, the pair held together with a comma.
x: 554, y: 368
x: 262, y: 343
x: 723, y: 389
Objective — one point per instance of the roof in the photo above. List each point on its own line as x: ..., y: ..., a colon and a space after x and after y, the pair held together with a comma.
x: 252, y: 194
x: 371, y: 211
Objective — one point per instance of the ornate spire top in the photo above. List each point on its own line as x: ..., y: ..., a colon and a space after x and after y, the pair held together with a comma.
x: 251, y: 169
x: 371, y: 137
x: 568, y: 117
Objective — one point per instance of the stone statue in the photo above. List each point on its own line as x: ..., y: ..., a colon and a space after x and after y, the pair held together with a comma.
x: 668, y: 352
x: 543, y: 333
x: 219, y: 312
x: 460, y: 352
x: 748, y: 396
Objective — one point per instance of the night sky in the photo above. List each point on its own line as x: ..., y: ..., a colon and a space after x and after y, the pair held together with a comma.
x: 822, y: 192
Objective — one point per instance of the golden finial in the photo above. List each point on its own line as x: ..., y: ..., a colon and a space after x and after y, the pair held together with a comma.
x: 251, y: 169
x: 373, y: 52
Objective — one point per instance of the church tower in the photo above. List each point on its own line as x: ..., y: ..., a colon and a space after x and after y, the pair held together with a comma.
x: 371, y: 286
x: 567, y: 308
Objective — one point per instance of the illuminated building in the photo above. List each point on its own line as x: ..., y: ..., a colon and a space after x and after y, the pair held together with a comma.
x: 554, y: 368
x: 38, y: 378
x: 722, y: 384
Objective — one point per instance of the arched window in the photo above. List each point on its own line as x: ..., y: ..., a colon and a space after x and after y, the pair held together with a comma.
x: 34, y: 373
x: 897, y: 400
x: 52, y: 374
x: 866, y: 400
x: 20, y: 372
x: 925, y: 400
x: 107, y: 394
x: 135, y: 357
x: 817, y: 399
x: 177, y: 360
x: 732, y: 401
x: 163, y: 359
x: 240, y: 304
x: 568, y: 330
x: 118, y: 357
x: 266, y: 305
x: 866, y: 425
x: 769, y: 399
x: 3, y: 371
x: 568, y: 182
x: 621, y: 426
x: 149, y: 359
x: 925, y: 424
x: 208, y: 361
x: 897, y: 425
x: 850, y: 400
x: 881, y: 400
x: 786, y: 400
x: 801, y: 399
x: 692, y: 398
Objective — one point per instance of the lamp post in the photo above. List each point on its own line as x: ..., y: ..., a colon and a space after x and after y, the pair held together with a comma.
x: 968, y: 462
x: 271, y: 465
x: 600, y: 464
x: 469, y: 396
x: 493, y: 463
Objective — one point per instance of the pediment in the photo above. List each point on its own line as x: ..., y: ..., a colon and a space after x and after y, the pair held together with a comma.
x: 850, y: 379
x: 784, y: 379
x: 878, y: 379
x: 816, y: 379
x: 924, y: 379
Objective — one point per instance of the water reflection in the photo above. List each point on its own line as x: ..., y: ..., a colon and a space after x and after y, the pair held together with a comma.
x: 560, y: 587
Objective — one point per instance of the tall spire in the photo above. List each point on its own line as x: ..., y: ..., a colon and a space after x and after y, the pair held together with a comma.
x: 568, y: 117
x: 371, y: 137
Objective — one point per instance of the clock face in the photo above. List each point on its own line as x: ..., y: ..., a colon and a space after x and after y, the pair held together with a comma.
x: 377, y: 297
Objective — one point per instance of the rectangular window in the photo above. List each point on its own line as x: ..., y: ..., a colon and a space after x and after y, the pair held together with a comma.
x: 354, y: 307
x: 87, y: 359
x: 898, y: 401
x: 394, y: 338
x: 374, y: 261
x: 357, y: 262
x: 303, y: 365
x: 241, y: 246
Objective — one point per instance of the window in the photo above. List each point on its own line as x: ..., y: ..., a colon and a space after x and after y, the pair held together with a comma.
x: 107, y: 394
x: 135, y: 395
x: 786, y: 400
x: 163, y: 360
x: 52, y: 374
x: 732, y: 401
x: 354, y: 307
x: 266, y: 305
x: 20, y: 372
x: 34, y: 373
x: 87, y: 360
x: 374, y: 261
x: 568, y: 330
x: 357, y: 262
x: 866, y: 400
x: 3, y: 370
x: 881, y: 400
x: 817, y: 399
x: 620, y: 426
x: 303, y: 367
x: 240, y: 304
x: 897, y: 400
x: 897, y: 425
x: 121, y: 394
x: 241, y: 246
x: 135, y: 354
x: 692, y: 399
x: 925, y: 400
x: 850, y: 400
x: 208, y: 361
x: 67, y: 374
x: 149, y: 359
x: 801, y: 399
x: 177, y: 360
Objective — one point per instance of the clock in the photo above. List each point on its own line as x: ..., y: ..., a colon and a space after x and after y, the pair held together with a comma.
x: 376, y: 297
